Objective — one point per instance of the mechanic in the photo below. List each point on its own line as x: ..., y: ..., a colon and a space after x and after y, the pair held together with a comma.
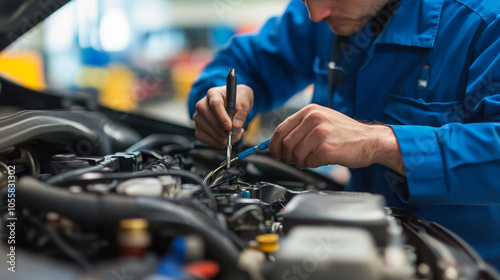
x: 416, y: 119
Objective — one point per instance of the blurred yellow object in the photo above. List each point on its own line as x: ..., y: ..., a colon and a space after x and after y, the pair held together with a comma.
x: 251, y: 136
x: 24, y: 68
x: 183, y: 76
x: 118, y: 89
x: 134, y: 224
x: 266, y: 243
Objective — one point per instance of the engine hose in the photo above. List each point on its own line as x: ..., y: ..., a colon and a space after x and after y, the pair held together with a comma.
x: 110, y: 208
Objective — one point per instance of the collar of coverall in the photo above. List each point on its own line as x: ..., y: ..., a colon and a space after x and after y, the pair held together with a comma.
x: 413, y: 23
x: 378, y: 22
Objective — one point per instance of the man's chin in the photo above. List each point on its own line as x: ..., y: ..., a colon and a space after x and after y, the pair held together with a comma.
x: 344, y: 30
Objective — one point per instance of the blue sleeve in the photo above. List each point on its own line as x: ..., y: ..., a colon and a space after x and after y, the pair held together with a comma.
x: 459, y: 163
x: 275, y: 63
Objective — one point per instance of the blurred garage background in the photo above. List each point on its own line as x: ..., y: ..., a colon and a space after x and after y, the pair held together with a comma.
x: 131, y: 55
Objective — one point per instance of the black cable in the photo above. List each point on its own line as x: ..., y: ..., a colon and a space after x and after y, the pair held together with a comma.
x: 56, y: 180
x: 226, y: 177
x: 92, y: 177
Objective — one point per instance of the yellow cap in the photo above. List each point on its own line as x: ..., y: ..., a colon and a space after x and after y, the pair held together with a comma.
x: 267, y: 243
x: 134, y: 224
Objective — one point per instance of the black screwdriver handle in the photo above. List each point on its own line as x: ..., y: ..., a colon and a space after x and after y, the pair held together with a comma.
x: 231, y: 93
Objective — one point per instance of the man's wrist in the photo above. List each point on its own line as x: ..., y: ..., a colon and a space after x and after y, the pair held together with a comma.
x: 386, y: 148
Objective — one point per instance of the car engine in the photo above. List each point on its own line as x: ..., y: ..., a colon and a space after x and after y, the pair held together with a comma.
x: 87, y: 197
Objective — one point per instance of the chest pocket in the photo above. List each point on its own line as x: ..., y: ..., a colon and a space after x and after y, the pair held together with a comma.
x: 406, y: 110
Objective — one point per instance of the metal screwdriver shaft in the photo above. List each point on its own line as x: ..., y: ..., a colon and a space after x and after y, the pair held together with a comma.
x: 230, y: 106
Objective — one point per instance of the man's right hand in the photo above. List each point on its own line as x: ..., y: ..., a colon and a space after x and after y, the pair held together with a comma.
x: 212, y: 121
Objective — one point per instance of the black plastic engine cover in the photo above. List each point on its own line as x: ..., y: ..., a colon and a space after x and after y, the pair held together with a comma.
x: 361, y: 210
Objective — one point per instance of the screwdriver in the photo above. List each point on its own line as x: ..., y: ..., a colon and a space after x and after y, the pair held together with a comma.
x: 230, y: 106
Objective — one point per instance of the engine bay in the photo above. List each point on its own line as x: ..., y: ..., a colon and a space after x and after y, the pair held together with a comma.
x: 92, y: 198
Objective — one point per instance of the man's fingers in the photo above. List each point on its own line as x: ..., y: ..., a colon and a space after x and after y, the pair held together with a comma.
x: 244, y: 103
x: 298, y: 133
x: 237, y: 135
x: 276, y: 144
x: 205, y: 119
x: 216, y: 102
x: 212, y: 121
x: 289, y: 147
x: 310, y: 151
x: 304, y: 138
x: 210, y: 139
x: 239, y: 119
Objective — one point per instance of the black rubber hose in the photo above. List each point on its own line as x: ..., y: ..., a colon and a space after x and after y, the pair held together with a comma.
x: 111, y: 208
x: 82, y: 207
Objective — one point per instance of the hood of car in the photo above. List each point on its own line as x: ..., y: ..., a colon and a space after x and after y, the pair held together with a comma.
x: 18, y: 17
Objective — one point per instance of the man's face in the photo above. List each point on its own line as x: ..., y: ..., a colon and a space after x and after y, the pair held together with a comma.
x: 345, y: 17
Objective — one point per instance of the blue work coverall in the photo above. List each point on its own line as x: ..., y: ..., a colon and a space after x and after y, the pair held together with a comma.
x: 432, y: 74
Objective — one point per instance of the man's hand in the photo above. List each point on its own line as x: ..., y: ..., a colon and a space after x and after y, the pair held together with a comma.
x: 211, y: 120
x: 317, y: 136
